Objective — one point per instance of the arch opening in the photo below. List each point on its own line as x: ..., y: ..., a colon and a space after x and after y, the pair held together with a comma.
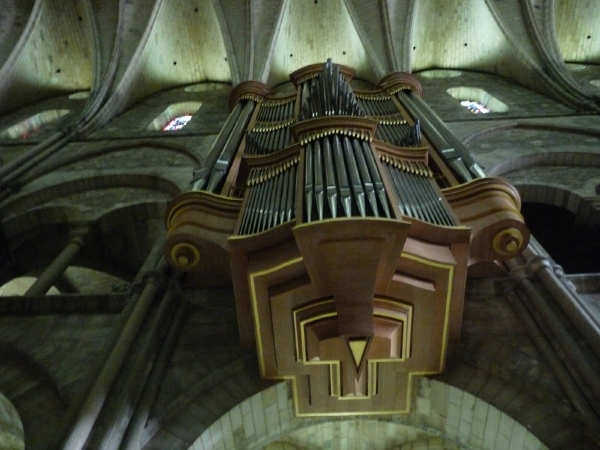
x: 270, y: 423
x: 573, y: 245
x: 28, y: 126
x: 175, y: 116
x: 11, y: 428
x: 477, y: 100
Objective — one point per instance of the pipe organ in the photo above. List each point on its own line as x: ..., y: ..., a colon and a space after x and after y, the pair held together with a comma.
x: 349, y: 236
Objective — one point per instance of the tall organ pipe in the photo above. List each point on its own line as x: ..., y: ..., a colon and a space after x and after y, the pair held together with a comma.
x: 222, y: 151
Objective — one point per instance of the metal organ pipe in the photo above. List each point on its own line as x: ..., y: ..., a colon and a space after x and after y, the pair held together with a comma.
x: 201, y: 176
x: 332, y: 191
x: 455, y: 153
x: 221, y: 166
x: 366, y: 177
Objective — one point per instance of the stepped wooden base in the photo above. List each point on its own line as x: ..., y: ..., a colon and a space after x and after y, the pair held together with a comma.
x: 350, y: 309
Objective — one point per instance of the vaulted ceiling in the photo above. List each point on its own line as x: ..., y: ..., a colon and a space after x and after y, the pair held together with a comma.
x: 124, y: 50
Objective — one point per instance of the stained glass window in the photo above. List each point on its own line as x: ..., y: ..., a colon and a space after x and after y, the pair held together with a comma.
x: 474, y: 107
x: 177, y: 123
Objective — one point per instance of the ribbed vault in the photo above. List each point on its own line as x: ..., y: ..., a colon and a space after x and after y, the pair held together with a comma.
x: 182, y: 45
x: 53, y: 55
x: 331, y: 34
x: 577, y: 30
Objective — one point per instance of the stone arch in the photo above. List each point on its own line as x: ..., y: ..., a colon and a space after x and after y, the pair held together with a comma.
x: 465, y: 93
x: 11, y: 428
x: 59, y: 191
x: 199, y: 60
x: 33, y: 392
x: 534, y: 152
x: 121, y: 236
x: 442, y: 417
x: 125, y: 157
x: 552, y: 195
x: 32, y: 124
x: 439, y: 73
x: 546, y: 159
x: 127, y: 234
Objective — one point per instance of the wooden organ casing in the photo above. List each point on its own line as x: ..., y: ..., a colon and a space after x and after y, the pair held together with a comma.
x: 349, y: 240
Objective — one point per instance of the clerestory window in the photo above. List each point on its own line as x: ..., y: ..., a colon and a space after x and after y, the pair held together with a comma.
x: 175, y: 117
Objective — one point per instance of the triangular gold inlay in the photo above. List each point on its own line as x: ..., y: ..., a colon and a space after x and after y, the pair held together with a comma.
x: 357, y: 348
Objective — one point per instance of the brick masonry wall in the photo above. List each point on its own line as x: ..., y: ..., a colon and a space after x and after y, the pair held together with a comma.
x: 443, y: 417
x: 522, y: 102
x: 550, y: 152
x: 45, y: 362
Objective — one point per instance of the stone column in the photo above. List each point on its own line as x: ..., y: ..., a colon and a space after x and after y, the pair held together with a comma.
x: 57, y: 268
x: 565, y: 295
x: 551, y: 312
x: 135, y: 383
x: 90, y: 409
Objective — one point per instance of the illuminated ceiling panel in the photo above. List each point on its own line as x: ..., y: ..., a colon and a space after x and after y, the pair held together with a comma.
x: 56, y: 57
x: 577, y: 30
x: 313, y: 31
x: 185, y: 47
x: 458, y: 34
x: 58, y: 51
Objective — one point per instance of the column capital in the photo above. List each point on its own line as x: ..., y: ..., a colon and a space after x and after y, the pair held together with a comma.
x: 537, y: 263
x: 79, y: 231
x: 519, y: 274
x: 156, y: 277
